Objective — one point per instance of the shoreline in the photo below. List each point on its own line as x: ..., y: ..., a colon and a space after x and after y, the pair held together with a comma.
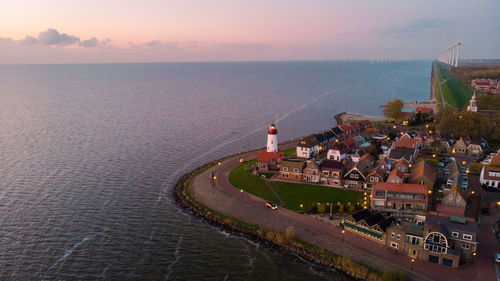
x: 196, y: 194
x: 303, y: 250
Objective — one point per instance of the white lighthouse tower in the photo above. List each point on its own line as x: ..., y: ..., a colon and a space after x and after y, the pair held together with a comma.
x: 272, y: 139
x: 472, y: 104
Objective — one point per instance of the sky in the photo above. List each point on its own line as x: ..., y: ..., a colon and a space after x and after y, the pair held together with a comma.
x: 110, y: 31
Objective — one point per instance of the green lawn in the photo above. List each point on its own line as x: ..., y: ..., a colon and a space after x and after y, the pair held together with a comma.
x: 290, y: 151
x: 454, y: 91
x: 295, y: 194
x: 243, y: 179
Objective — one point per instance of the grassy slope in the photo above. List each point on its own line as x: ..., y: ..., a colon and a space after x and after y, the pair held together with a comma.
x: 454, y: 91
x: 243, y: 179
x: 295, y: 194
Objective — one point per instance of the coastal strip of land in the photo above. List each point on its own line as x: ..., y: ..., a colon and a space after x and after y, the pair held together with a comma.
x: 221, y: 204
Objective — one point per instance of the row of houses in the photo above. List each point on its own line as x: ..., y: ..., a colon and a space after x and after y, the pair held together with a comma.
x: 447, y: 241
x: 349, y: 134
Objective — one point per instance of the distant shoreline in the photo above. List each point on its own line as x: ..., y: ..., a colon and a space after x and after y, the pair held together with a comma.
x: 346, y: 117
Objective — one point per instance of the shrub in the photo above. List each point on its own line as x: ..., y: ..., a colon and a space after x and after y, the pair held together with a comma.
x: 393, y: 275
x: 351, y: 207
x: 270, y: 235
x: 279, y: 238
x: 341, y: 207
x: 289, y: 233
x: 321, y: 208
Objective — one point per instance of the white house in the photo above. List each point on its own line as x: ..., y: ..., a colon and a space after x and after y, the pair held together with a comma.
x: 338, y: 152
x: 307, y: 147
x: 490, y: 175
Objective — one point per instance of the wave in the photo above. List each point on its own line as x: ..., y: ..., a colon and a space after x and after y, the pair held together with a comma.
x: 70, y: 251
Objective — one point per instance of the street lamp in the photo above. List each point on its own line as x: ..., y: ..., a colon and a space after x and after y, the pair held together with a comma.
x: 412, y: 261
x: 343, y: 232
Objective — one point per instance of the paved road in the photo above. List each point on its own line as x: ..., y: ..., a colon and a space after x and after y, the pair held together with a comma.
x: 223, y: 197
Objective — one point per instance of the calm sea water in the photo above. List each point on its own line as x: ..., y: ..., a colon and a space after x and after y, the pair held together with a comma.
x: 90, y: 153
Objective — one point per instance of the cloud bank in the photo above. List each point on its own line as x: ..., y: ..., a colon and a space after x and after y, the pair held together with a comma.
x: 53, y: 38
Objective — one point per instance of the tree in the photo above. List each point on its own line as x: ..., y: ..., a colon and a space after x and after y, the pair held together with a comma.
x: 393, y: 109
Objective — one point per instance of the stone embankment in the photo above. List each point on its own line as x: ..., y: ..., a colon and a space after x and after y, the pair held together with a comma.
x: 309, y: 253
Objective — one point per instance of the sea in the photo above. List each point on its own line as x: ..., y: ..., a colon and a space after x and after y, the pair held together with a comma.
x: 89, y: 155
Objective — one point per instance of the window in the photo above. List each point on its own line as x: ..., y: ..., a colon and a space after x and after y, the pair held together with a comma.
x: 465, y: 246
x: 325, y: 173
x: 296, y: 170
x: 467, y: 236
x: 398, y: 237
x: 394, y: 245
x: 285, y: 169
x: 351, y: 176
x: 392, y: 235
x: 454, y: 234
x: 272, y: 141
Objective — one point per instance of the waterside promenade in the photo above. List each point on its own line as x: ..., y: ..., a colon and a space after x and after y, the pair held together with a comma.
x: 226, y: 199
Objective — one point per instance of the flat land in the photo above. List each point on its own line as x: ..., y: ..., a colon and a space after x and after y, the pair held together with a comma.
x: 309, y: 195
x: 242, y: 178
x: 294, y: 194
x: 455, y: 93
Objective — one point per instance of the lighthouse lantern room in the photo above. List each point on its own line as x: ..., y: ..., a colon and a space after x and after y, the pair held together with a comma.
x: 272, y: 139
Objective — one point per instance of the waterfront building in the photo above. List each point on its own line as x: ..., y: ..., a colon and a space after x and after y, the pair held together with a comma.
x: 292, y: 170
x: 368, y: 224
x: 339, y: 134
x: 396, y: 176
x: 307, y: 147
x: 269, y: 161
x: 425, y: 111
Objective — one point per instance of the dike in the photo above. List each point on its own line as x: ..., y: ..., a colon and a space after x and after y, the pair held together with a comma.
x: 255, y: 233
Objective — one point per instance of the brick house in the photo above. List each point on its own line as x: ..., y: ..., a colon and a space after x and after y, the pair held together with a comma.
x: 292, y: 170
x: 269, y: 161
x: 331, y: 172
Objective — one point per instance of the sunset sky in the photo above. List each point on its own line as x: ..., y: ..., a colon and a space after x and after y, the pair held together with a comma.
x: 66, y: 31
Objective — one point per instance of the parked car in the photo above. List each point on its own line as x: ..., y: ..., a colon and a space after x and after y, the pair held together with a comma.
x: 497, y: 257
x: 271, y: 206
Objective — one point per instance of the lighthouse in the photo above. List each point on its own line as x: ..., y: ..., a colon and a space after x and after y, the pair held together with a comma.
x: 272, y: 139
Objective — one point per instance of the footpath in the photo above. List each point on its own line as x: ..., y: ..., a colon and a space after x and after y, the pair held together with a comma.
x: 224, y: 198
